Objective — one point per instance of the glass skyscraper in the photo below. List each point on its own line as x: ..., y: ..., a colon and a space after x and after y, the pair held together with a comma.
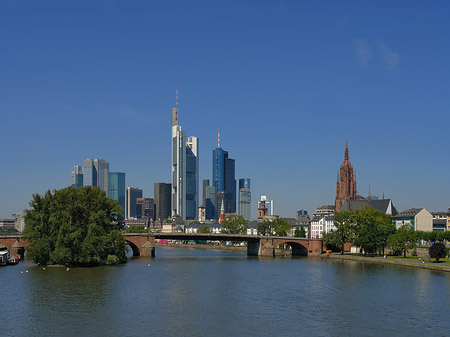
x: 96, y: 173
x: 223, y: 178
x: 245, y: 199
x: 116, y: 188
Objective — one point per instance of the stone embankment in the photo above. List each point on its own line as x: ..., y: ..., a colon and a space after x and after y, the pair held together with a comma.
x: 398, y: 262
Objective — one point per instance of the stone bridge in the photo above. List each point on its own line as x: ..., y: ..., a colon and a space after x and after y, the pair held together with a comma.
x: 143, y: 244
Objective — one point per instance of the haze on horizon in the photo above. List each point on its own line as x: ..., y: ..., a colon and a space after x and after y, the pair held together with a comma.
x: 286, y: 83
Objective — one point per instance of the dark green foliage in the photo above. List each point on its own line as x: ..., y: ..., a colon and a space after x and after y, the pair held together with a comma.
x: 373, y: 229
x: 404, y: 239
x: 344, y: 222
x: 437, y: 251
x: 277, y: 227
x: 137, y: 229
x: 234, y: 224
x: 76, y: 227
x: 204, y: 229
x: 300, y: 232
x: 367, y: 228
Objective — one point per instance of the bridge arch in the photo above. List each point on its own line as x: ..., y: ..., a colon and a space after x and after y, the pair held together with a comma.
x: 134, y: 248
x: 297, y: 248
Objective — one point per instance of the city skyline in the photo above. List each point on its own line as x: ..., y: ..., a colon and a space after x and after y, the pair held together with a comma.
x: 287, y: 83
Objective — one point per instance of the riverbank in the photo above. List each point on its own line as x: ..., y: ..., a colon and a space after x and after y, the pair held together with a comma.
x: 380, y: 260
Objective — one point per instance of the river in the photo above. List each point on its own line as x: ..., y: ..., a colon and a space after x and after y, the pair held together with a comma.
x: 193, y: 292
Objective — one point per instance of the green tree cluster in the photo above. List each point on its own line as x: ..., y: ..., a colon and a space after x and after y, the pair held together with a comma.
x: 277, y: 227
x: 300, y: 232
x: 234, y: 224
x: 367, y: 228
x: 404, y: 239
x: 75, y: 227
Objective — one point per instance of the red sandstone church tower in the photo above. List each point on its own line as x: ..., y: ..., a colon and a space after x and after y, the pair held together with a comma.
x: 346, y: 183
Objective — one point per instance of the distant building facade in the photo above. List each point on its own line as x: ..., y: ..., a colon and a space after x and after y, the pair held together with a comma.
x: 346, y: 182
x: 145, y: 207
x: 418, y: 218
x: 162, y: 200
x: 131, y: 196
x: 77, y: 176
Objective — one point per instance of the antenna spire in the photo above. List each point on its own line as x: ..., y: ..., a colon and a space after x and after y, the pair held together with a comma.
x: 177, y: 99
x: 218, y: 139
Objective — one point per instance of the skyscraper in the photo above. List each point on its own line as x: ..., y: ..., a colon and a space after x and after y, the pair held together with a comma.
x: 346, y: 182
x: 116, y: 188
x: 131, y: 196
x: 162, y: 200
x: 184, y: 171
x: 223, y: 178
x: 96, y: 173
x: 77, y: 176
x: 245, y: 199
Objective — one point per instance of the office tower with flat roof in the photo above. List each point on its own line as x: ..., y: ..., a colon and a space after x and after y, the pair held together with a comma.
x: 204, y: 185
x: 185, y: 156
x: 245, y: 199
x: 77, y: 176
x: 131, y: 196
x: 223, y: 178
x: 96, y: 173
x: 211, y: 203
x: 192, y: 178
x: 116, y: 188
x: 162, y: 198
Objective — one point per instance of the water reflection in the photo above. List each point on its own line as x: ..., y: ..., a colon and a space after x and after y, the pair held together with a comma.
x: 203, y: 293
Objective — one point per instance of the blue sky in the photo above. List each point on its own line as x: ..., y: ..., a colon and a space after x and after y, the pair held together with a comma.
x: 286, y: 82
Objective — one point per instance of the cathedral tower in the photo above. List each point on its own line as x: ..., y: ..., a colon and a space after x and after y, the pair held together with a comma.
x: 346, y: 183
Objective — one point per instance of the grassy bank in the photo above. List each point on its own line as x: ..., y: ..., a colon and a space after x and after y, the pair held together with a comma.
x: 410, y: 261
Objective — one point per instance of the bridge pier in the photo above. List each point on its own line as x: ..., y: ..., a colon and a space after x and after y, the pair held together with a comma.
x: 253, y: 248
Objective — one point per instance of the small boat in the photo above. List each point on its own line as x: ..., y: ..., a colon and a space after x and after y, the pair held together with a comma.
x: 14, y: 259
x: 4, y: 254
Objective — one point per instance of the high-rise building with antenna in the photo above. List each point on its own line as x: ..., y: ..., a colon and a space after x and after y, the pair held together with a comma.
x: 184, y: 171
x: 223, y: 178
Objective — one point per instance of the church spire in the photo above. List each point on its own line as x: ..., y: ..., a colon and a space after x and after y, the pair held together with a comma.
x: 346, y: 150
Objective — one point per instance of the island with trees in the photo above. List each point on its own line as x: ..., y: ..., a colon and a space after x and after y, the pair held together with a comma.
x: 75, y: 227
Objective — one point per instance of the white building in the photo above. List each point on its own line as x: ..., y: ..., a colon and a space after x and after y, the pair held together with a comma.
x: 321, y: 225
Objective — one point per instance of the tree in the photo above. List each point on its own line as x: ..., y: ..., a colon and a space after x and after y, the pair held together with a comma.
x: 76, y: 227
x: 265, y: 228
x: 437, y: 251
x: 300, y: 232
x: 281, y: 227
x: 234, y: 224
x: 404, y: 239
x: 345, y: 229
x: 372, y: 229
